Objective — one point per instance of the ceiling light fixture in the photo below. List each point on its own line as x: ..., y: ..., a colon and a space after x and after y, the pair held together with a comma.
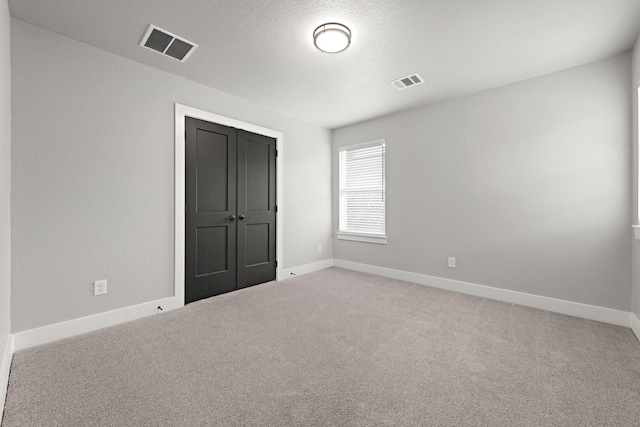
x: 332, y: 37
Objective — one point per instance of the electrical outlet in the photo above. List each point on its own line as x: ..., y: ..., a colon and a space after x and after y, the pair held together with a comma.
x: 319, y: 248
x: 451, y: 262
x: 100, y: 287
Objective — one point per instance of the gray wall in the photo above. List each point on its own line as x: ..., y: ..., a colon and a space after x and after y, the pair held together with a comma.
x: 635, y: 244
x: 5, y: 174
x: 93, y: 180
x: 528, y: 185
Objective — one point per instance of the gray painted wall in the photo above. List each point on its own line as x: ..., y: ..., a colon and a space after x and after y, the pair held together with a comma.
x: 5, y: 174
x: 635, y: 244
x: 93, y: 181
x: 527, y: 185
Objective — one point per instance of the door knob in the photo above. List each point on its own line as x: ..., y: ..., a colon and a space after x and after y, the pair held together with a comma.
x: 232, y: 218
x: 241, y: 217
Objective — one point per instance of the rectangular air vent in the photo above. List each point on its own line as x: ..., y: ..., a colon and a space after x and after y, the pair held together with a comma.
x: 406, y: 82
x: 167, y: 44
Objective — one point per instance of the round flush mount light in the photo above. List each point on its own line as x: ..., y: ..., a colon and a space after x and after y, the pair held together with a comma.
x: 332, y: 37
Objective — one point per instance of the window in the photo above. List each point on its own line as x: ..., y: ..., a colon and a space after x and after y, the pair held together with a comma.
x: 362, y: 192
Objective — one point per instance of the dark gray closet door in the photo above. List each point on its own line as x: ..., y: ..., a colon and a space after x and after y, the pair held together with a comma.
x: 211, y: 199
x: 230, y: 209
x: 256, y: 209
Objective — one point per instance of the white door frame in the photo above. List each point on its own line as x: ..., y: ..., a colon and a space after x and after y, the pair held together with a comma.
x: 182, y: 111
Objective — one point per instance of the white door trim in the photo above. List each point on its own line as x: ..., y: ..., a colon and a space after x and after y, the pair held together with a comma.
x: 182, y: 111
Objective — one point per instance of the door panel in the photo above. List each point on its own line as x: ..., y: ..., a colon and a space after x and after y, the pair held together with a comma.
x: 211, y: 199
x: 212, y: 184
x: 257, y: 244
x: 211, y: 240
x: 257, y: 207
x: 257, y: 187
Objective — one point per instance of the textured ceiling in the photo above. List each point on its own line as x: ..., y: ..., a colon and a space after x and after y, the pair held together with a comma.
x: 262, y: 50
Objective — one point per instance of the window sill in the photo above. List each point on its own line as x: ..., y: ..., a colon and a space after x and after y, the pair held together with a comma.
x: 366, y: 238
x: 636, y: 231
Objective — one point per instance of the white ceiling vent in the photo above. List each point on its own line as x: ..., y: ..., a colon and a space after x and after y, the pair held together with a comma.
x: 406, y: 82
x: 167, y: 44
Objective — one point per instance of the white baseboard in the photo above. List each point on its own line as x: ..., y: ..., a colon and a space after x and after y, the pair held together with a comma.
x: 70, y: 328
x: 304, y: 269
x: 635, y: 325
x: 591, y: 312
x: 33, y: 337
x: 5, y: 367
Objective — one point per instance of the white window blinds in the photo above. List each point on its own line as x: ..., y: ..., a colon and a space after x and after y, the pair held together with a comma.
x: 362, y: 188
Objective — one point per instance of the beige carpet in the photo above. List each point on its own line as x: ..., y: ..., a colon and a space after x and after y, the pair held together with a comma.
x: 335, y: 348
